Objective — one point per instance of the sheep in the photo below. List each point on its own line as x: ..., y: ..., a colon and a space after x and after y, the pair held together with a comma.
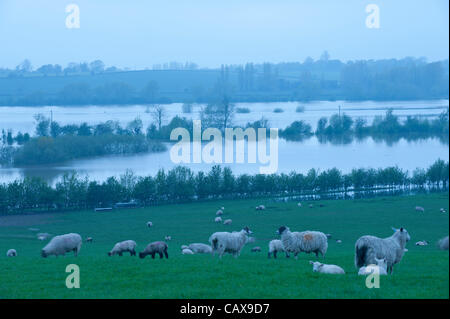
x: 149, y: 224
x: 227, y: 222
x: 306, y: 241
x: 184, y: 247
x: 442, y: 210
x: 260, y: 207
x: 338, y: 241
x: 157, y: 247
x: 443, y: 243
x: 222, y: 208
x: 310, y: 205
x: 89, y: 240
x: 200, y: 248
x: 187, y: 251
x: 367, y: 248
x: 168, y: 238
x: 225, y: 242
x: 422, y: 243
x: 256, y: 249
x: 420, y: 209
x: 43, y: 236
x: 275, y: 246
x: 61, y: 244
x: 219, y: 213
x: 299, y: 204
x: 123, y: 246
x: 11, y: 253
x: 380, y: 268
x: 326, y: 269
x: 218, y: 219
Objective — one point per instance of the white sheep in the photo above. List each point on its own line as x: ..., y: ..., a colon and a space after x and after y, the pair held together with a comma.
x: 227, y: 222
x: 367, y: 248
x: 11, y: 253
x: 219, y: 213
x: 149, y: 224
x: 124, y: 246
x: 443, y: 243
x: 442, y: 210
x: 200, y: 248
x: 157, y: 247
x: 380, y: 268
x: 187, y: 251
x: 420, y: 209
x: 89, y: 240
x: 59, y: 245
x: 422, y: 243
x: 168, y: 238
x: 222, y: 208
x: 275, y: 246
x: 256, y: 249
x: 43, y: 236
x: 305, y: 241
x: 218, y: 219
x: 299, y: 204
x: 260, y: 207
x: 338, y: 241
x: 232, y: 243
x: 326, y: 269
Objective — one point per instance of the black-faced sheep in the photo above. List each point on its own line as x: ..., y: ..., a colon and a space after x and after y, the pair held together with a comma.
x: 232, y: 243
x: 59, y: 245
x: 368, y: 248
x: 124, y: 246
x: 149, y: 224
x: 157, y: 247
x: 305, y: 241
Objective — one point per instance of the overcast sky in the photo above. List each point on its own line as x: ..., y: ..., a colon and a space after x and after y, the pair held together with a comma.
x: 140, y: 33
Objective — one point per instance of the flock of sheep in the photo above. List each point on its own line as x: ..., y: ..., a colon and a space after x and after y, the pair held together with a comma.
x: 371, y: 253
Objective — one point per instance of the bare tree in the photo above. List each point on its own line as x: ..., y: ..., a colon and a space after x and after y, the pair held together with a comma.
x: 158, y: 112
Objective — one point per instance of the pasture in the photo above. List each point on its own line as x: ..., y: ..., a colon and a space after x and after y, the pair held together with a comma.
x: 423, y: 272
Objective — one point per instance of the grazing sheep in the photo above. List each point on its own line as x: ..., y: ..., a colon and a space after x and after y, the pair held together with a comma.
x: 200, y: 248
x: 443, y: 243
x: 187, y: 251
x: 219, y: 213
x: 380, y: 268
x: 168, y: 238
x: 256, y: 249
x: 123, y: 246
x: 218, y: 219
x: 326, y: 269
x: 227, y: 222
x: 306, y: 241
x: 157, y: 247
x: 89, y: 240
x: 338, y: 241
x: 232, y: 243
x: 149, y: 224
x: 43, y: 236
x: 260, y: 207
x: 420, y: 209
x: 299, y: 204
x: 367, y: 248
x: 59, y: 245
x: 422, y: 243
x: 275, y: 246
x: 11, y: 253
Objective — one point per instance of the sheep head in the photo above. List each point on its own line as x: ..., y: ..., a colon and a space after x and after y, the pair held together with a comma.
x: 282, y: 229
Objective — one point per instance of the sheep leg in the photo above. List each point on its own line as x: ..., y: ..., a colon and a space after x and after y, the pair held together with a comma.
x: 268, y: 255
x: 165, y: 253
x: 153, y: 255
x: 287, y: 255
x: 160, y: 255
x: 120, y: 254
x: 275, y: 254
x: 295, y: 256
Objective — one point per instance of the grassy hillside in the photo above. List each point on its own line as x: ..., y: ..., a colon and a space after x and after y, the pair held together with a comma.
x: 423, y: 272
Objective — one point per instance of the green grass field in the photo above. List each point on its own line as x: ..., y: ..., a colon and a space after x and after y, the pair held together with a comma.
x: 423, y: 272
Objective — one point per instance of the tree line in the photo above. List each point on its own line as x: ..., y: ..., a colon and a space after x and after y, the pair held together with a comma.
x: 181, y: 184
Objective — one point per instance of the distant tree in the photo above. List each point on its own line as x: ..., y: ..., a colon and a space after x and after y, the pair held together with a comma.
x: 96, y: 66
x: 325, y: 56
x: 42, y: 124
x: 158, y: 112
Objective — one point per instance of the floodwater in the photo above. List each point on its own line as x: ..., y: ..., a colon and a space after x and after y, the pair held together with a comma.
x: 292, y: 156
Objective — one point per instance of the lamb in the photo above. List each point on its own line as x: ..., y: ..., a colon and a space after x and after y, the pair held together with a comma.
x: 299, y: 204
x: 187, y: 251
x: 227, y: 222
x: 443, y: 243
x: 256, y: 249
x: 420, y: 209
x: 222, y: 208
x: 422, y: 243
x: 89, y: 240
x: 157, y: 247
x: 275, y: 246
x: 123, y: 246
x: 149, y: 224
x: 380, y: 268
x: 219, y: 213
x: 218, y: 219
x: 168, y: 238
x: 326, y: 269
x: 200, y: 248
x: 59, y: 245
x: 367, y: 248
x: 260, y: 207
x: 338, y: 241
x: 232, y: 243
x: 306, y: 241
x: 11, y: 253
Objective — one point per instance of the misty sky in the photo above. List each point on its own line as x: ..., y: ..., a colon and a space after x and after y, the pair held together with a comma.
x: 140, y: 33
